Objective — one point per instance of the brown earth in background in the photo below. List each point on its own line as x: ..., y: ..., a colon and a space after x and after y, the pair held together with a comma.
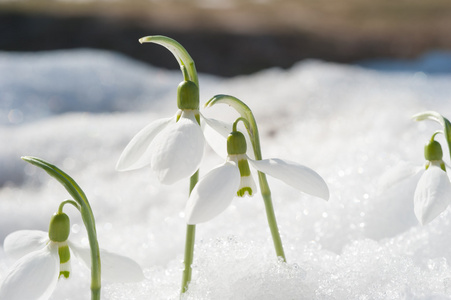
x: 234, y: 40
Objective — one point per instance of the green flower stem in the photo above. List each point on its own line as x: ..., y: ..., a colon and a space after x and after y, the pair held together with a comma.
x: 60, y: 207
x: 189, y: 254
x: 252, y: 129
x: 86, y: 213
x: 270, y: 215
x: 435, y: 116
x: 180, y: 53
x: 189, y: 242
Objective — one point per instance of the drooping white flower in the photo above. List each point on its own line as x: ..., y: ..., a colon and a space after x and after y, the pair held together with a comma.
x: 173, y: 147
x: 433, y: 191
x: 44, y: 257
x: 216, y: 190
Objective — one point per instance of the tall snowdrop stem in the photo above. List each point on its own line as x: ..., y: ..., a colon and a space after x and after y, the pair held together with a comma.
x: 270, y: 215
x: 80, y: 201
x: 252, y: 130
x: 179, y: 52
x: 189, y: 72
x: 189, y: 243
x: 435, y: 116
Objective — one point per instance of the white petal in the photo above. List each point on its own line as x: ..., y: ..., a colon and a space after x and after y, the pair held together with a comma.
x: 137, y: 153
x: 178, y: 150
x: 216, y: 133
x: 432, y: 195
x: 294, y: 174
x: 114, y: 267
x: 247, y: 183
x: 34, y: 276
x: 213, y: 193
x: 395, y: 175
x: 22, y: 242
x: 448, y: 170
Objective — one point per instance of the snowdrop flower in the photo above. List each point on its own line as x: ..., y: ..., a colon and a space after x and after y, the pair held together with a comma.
x: 433, y: 191
x: 44, y: 257
x: 174, y: 146
x: 216, y: 190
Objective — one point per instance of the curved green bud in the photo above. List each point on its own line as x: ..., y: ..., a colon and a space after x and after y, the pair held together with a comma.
x: 180, y: 53
x: 433, y: 151
x: 434, y: 116
x: 59, y: 227
x: 236, y: 143
x: 188, y: 95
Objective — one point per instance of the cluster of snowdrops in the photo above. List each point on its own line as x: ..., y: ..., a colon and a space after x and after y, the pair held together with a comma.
x: 174, y: 147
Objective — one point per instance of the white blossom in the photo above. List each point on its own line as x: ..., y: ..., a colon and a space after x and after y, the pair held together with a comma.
x: 39, y: 266
x: 216, y: 190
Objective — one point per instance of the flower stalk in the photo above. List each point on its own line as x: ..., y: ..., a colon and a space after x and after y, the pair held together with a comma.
x: 86, y: 213
x: 189, y: 243
x: 187, y: 99
x: 252, y: 129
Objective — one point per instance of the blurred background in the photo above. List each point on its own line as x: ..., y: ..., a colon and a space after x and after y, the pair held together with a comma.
x: 232, y: 37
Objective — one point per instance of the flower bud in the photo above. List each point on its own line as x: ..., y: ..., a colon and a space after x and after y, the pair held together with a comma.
x: 433, y: 151
x: 236, y: 143
x: 59, y: 227
x: 187, y: 95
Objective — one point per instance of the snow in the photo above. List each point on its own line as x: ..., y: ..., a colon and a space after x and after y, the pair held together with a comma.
x: 79, y: 108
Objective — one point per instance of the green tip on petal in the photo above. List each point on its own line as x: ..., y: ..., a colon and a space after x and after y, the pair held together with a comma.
x: 242, y: 192
x: 64, y: 256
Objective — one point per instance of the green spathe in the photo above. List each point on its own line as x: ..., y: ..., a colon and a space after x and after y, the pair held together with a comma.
x: 59, y: 227
x: 187, y: 95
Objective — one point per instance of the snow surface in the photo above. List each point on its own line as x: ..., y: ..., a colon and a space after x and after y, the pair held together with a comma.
x: 78, y: 109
